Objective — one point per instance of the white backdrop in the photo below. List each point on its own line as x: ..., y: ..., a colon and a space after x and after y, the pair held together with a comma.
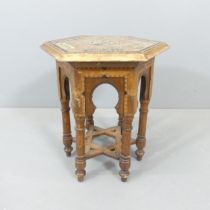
x: 182, y: 74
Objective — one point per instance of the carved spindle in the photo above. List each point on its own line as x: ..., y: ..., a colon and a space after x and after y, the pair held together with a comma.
x: 67, y: 137
x: 125, y: 148
x: 64, y: 94
x: 145, y: 94
x: 141, y: 137
x: 80, y: 148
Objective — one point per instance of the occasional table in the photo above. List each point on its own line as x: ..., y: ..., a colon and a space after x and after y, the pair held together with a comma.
x: 85, y: 62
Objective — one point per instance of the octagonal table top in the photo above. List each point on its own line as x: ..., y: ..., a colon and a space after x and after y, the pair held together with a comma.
x: 103, y: 48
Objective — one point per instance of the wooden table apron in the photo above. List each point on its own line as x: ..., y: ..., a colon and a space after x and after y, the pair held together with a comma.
x: 81, y: 78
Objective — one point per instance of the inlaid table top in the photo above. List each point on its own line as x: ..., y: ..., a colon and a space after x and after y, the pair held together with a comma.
x: 103, y: 48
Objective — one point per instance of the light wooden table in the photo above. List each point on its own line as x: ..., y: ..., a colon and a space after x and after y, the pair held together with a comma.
x: 83, y: 63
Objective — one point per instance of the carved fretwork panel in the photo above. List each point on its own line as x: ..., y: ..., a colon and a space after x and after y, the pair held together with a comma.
x: 123, y: 76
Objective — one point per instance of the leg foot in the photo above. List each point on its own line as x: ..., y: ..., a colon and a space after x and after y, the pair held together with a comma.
x: 140, y: 143
x: 67, y: 141
x: 68, y: 150
x: 80, y: 169
x: 139, y: 154
x: 80, y: 178
x: 124, y: 165
x: 124, y: 175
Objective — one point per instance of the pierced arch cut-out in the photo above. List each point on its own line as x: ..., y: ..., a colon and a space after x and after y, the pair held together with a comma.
x: 105, y: 96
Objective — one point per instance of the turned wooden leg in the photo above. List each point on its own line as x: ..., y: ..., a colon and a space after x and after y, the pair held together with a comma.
x: 145, y: 95
x: 80, y: 148
x: 64, y: 95
x: 141, y: 137
x: 89, y: 121
x: 67, y: 137
x: 125, y: 148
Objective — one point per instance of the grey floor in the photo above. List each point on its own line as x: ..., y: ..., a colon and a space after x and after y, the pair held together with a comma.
x: 36, y: 174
